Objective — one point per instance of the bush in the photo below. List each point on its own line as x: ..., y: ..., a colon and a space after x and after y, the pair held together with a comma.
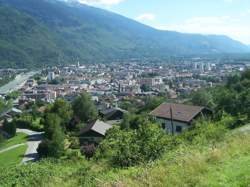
x: 2, y: 139
x: 132, y: 147
x: 88, y: 150
x: 43, y: 148
x: 74, y: 143
x: 10, y: 128
x: 29, y: 122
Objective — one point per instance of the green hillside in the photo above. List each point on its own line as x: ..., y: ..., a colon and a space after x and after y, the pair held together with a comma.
x: 224, y: 163
x: 38, y: 33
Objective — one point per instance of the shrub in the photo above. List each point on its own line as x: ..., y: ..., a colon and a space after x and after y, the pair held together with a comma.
x: 10, y: 128
x: 1, y: 138
x: 43, y: 148
x: 132, y: 147
x: 88, y: 150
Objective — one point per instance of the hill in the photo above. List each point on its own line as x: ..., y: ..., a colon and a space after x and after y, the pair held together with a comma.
x: 224, y: 163
x: 47, y: 32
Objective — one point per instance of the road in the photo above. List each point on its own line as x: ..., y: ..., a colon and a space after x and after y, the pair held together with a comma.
x: 34, y: 139
x: 17, y: 83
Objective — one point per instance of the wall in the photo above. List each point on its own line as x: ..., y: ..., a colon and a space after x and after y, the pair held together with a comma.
x: 168, y: 125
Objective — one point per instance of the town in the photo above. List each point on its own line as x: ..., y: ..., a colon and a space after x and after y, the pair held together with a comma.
x: 123, y: 80
x: 124, y: 114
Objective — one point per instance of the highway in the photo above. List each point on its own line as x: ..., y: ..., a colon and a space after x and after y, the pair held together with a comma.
x: 17, y: 83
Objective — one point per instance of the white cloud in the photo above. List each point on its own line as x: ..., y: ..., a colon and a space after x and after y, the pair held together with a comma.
x: 235, y: 27
x: 145, y: 17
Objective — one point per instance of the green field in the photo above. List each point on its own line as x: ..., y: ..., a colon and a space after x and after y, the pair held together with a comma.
x: 13, y: 156
x: 18, y: 139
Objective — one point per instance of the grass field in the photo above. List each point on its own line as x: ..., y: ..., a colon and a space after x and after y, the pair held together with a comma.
x: 13, y: 156
x: 18, y: 139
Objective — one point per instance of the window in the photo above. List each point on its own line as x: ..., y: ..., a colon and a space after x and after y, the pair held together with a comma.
x: 178, y: 129
x: 163, y: 125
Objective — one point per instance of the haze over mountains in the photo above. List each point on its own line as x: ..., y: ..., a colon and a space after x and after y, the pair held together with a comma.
x: 35, y: 33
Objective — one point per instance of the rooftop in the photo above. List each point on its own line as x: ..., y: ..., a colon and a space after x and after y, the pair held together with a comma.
x: 97, y: 126
x: 180, y: 112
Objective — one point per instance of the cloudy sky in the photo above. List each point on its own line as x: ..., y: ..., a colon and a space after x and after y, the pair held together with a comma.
x: 228, y: 17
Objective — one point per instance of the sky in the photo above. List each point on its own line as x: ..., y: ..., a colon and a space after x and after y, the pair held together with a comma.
x: 226, y: 17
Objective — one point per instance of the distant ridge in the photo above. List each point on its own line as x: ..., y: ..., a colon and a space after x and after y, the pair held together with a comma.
x: 36, y: 33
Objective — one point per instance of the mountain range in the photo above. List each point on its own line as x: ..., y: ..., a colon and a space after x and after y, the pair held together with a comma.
x: 37, y: 33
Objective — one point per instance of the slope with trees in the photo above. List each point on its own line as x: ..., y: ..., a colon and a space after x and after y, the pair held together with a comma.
x: 37, y: 33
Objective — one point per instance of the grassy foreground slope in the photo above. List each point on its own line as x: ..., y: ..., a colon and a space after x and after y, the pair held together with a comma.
x: 18, y: 139
x: 12, y: 157
x: 227, y: 164
x: 224, y: 164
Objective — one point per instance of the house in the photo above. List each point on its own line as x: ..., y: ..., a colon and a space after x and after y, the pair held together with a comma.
x: 94, y: 132
x: 175, y: 118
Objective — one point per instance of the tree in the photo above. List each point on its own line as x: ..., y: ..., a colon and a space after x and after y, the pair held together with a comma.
x: 64, y: 110
x: 125, y: 124
x: 51, y: 123
x: 84, y: 109
x: 203, y: 98
x: 53, y: 144
x: 151, y: 103
x: 145, y: 88
x: 10, y: 128
x: 246, y: 74
x: 132, y: 121
x: 56, y: 145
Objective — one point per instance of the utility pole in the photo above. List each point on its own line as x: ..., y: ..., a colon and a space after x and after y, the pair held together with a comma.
x: 171, y: 116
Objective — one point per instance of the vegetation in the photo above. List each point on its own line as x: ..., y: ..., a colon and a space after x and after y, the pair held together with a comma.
x: 84, y: 109
x: 6, y: 79
x: 9, y: 127
x: 29, y: 121
x: 53, y: 144
x: 12, y: 157
x: 4, y: 105
x: 138, y: 152
x: 133, y: 147
x: 18, y: 139
x: 233, y: 98
x: 34, y: 33
x: 222, y: 163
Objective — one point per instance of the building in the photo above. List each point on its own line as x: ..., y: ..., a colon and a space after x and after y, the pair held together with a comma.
x: 112, y: 114
x: 175, y: 118
x: 151, y: 82
x: 93, y: 132
x: 51, y: 76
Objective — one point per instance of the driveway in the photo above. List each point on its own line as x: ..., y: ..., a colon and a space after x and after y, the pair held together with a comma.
x: 34, y: 139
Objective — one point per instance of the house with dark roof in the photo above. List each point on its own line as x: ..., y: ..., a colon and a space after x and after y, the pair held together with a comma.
x: 175, y: 118
x: 94, y: 132
x: 113, y: 114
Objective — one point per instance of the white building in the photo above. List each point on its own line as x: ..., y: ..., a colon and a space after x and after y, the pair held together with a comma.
x: 51, y: 76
